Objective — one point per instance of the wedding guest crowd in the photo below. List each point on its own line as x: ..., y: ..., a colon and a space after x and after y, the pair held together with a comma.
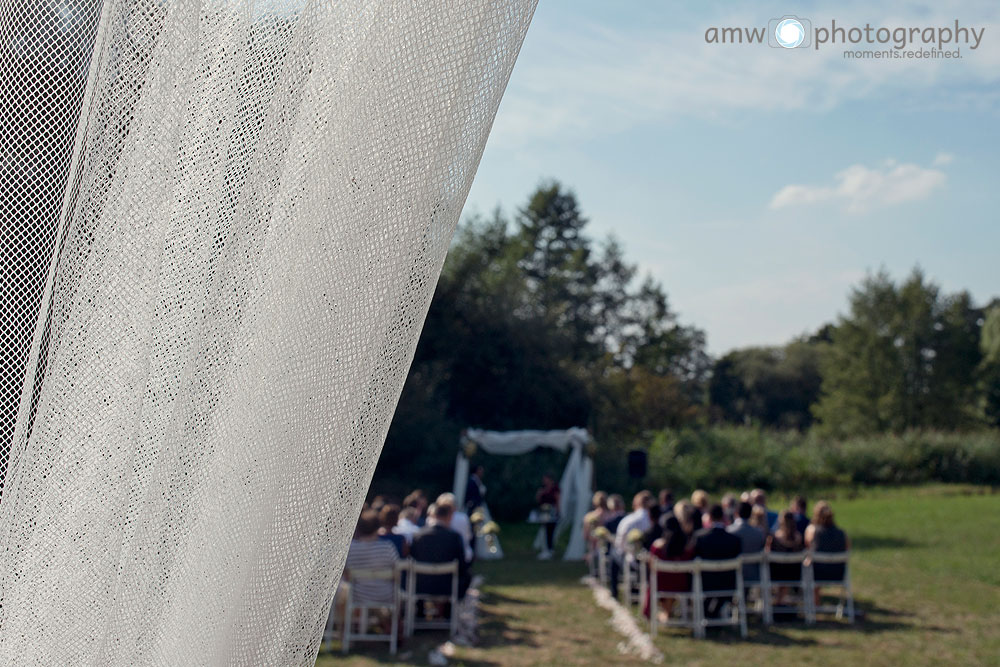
x: 429, y: 533
x: 700, y: 528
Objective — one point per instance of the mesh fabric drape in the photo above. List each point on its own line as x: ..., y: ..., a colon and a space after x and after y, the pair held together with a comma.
x: 233, y: 251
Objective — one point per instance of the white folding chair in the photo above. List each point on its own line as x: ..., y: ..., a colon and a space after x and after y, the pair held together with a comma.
x: 687, y: 613
x: 633, y: 564
x: 844, y: 584
x: 643, y: 558
x: 802, y: 602
x: 738, y: 610
x: 362, y: 606
x: 414, y: 570
x: 761, y: 584
x: 603, y: 573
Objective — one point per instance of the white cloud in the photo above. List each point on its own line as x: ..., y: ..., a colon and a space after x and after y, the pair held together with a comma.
x: 943, y: 159
x: 859, y: 188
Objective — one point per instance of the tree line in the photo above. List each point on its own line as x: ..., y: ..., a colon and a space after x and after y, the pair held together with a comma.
x: 536, y: 324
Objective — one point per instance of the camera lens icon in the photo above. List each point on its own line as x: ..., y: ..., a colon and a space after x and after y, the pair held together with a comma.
x: 789, y: 32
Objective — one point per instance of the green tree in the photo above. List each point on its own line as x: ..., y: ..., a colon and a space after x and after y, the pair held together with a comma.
x: 989, y: 369
x: 903, y: 358
x: 769, y: 386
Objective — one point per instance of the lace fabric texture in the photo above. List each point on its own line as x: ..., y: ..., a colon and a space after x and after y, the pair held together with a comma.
x: 235, y: 240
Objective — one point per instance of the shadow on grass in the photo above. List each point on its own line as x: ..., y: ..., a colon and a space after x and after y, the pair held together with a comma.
x: 866, y: 542
x: 495, y: 630
x: 492, y: 597
x: 412, y: 651
x: 871, y: 620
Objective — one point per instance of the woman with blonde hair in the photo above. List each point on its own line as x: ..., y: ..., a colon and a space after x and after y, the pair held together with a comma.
x: 758, y: 519
x: 701, y: 500
x: 598, y: 514
x: 592, y: 519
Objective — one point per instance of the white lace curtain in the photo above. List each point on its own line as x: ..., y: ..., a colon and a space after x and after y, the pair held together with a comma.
x: 236, y: 212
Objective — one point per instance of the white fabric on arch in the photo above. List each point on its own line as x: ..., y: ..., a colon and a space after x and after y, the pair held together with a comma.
x: 522, y: 442
x: 259, y: 202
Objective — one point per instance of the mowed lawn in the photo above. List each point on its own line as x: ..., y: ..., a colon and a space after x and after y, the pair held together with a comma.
x: 926, y: 572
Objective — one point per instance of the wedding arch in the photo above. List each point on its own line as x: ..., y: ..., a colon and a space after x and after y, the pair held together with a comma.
x: 576, y: 482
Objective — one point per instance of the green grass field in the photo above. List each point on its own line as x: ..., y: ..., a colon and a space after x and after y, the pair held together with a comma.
x: 926, y: 572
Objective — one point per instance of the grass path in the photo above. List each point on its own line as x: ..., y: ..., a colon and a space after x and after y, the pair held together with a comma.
x: 926, y: 573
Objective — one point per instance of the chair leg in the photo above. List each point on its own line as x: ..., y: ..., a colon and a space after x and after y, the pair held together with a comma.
x: 345, y: 645
x: 654, y: 612
x: 698, y: 602
x: 742, y: 607
x: 453, y: 621
x: 850, y: 603
x: 411, y: 612
x: 765, y: 595
x: 809, y: 602
x: 394, y: 632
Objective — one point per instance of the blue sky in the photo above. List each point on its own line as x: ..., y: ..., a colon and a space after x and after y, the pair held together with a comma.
x: 758, y: 184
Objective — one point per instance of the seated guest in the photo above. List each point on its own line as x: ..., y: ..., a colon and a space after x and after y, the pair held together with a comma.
x: 655, y: 530
x: 367, y: 552
x: 701, y: 500
x: 377, y: 503
x: 438, y: 543
x: 638, y: 519
x: 594, y: 518
x: 824, y: 536
x: 714, y: 543
x: 786, y: 539
x: 688, y: 517
x: 798, y: 508
x: 759, y: 497
x: 388, y: 518
x: 616, y: 512
x: 407, y: 524
x: 666, y: 499
x: 674, y: 545
x: 752, y: 540
x: 418, y: 501
x: 460, y: 523
x: 598, y: 514
x: 729, y: 508
x: 758, y: 519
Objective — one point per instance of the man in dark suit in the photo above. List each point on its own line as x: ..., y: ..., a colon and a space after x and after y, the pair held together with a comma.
x: 714, y: 543
x: 475, y: 490
x: 438, y: 543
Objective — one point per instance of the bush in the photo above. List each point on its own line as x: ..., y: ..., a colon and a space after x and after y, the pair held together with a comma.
x: 740, y: 457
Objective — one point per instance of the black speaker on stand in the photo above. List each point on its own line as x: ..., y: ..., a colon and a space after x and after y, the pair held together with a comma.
x: 637, y: 464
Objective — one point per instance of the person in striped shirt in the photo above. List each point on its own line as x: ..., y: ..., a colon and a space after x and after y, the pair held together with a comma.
x: 368, y: 552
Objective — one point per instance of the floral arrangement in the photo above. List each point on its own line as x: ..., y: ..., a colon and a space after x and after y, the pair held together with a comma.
x: 477, y: 516
x: 634, y: 536
x: 469, y: 448
x: 489, y: 528
x: 602, y: 533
